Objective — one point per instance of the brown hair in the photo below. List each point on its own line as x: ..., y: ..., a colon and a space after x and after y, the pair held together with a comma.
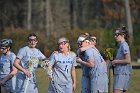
x: 123, y: 31
x: 32, y: 34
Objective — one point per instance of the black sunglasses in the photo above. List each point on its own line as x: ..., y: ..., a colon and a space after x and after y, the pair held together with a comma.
x: 117, y: 34
x: 62, y: 43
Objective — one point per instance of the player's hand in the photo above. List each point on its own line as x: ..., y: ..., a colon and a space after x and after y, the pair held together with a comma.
x: 74, y: 87
x: 50, y: 78
x: 2, y: 83
x: 27, y: 73
x: 78, y: 59
x: 113, y: 62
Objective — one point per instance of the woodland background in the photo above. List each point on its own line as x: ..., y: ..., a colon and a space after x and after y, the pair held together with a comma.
x: 50, y: 19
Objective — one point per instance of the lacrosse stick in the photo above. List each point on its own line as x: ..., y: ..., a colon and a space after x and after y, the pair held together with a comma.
x: 48, y: 67
x: 31, y: 62
x: 26, y: 84
x: 109, y: 53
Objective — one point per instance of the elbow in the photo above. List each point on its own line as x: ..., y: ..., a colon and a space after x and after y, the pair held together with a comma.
x: 129, y: 62
x: 91, y: 66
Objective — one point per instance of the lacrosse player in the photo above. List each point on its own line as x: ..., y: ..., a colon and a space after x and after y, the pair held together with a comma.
x: 85, y: 81
x: 63, y: 79
x: 97, y: 69
x: 122, y: 62
x: 7, y: 70
x: 27, y: 61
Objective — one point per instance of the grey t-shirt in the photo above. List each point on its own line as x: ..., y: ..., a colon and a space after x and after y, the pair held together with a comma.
x: 62, y: 66
x: 122, y: 68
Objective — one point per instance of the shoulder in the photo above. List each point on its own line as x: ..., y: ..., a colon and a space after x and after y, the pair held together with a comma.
x: 125, y: 45
x: 12, y: 54
x: 89, y: 50
x: 24, y: 48
x: 55, y: 53
x: 73, y: 54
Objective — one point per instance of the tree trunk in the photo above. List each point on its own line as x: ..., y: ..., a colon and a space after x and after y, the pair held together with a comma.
x: 129, y: 22
x: 29, y: 13
x: 49, y: 18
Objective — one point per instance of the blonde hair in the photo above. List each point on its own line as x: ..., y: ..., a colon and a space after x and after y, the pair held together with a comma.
x: 66, y: 40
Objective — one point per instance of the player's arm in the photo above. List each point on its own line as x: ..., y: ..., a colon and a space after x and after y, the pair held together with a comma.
x: 74, y: 78
x: 9, y: 76
x: 16, y: 64
x: 127, y: 57
x: 89, y: 63
x: 126, y: 60
x: 85, y: 48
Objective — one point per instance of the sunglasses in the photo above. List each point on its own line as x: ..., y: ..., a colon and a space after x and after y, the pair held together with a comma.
x: 117, y: 34
x: 62, y: 43
x: 31, y: 40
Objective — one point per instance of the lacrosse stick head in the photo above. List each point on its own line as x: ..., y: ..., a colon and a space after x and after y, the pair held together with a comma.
x: 46, y: 64
x: 109, y: 53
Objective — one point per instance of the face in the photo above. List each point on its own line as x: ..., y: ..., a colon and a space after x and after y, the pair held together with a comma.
x: 118, y: 37
x: 84, y: 43
x: 80, y: 44
x: 63, y: 45
x: 32, y: 41
x: 93, y: 41
x: 4, y: 50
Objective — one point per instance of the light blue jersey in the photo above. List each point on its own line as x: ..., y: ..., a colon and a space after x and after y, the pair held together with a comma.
x: 85, y: 75
x: 29, y: 61
x: 122, y: 72
x: 122, y: 68
x: 98, y: 74
x: 6, y: 64
x: 62, y: 67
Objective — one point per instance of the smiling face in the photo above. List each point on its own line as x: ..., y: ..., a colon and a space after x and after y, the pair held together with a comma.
x: 4, y: 50
x: 32, y: 41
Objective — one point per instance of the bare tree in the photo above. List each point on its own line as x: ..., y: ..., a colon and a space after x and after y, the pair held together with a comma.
x: 29, y: 13
x: 49, y: 20
x: 129, y: 21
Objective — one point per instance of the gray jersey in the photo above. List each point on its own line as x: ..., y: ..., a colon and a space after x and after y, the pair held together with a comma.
x: 62, y: 66
x: 6, y: 66
x: 29, y: 61
x: 85, y: 75
x: 85, y: 69
x: 122, y: 68
x: 99, y: 67
x: 98, y: 74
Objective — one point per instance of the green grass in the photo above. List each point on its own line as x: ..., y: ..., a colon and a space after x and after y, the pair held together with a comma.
x: 43, y: 81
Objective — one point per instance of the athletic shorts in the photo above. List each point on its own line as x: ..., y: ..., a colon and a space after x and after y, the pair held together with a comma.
x: 59, y: 88
x: 121, y: 82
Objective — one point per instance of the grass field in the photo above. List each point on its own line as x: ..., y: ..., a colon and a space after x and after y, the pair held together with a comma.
x: 43, y: 82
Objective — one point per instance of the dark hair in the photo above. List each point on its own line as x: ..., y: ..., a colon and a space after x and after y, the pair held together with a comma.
x: 32, y: 34
x: 123, y: 31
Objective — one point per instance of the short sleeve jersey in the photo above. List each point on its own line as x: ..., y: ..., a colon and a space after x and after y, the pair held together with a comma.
x: 62, y: 66
x: 99, y: 67
x: 85, y: 69
x: 6, y: 64
x: 29, y: 59
x: 122, y: 68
